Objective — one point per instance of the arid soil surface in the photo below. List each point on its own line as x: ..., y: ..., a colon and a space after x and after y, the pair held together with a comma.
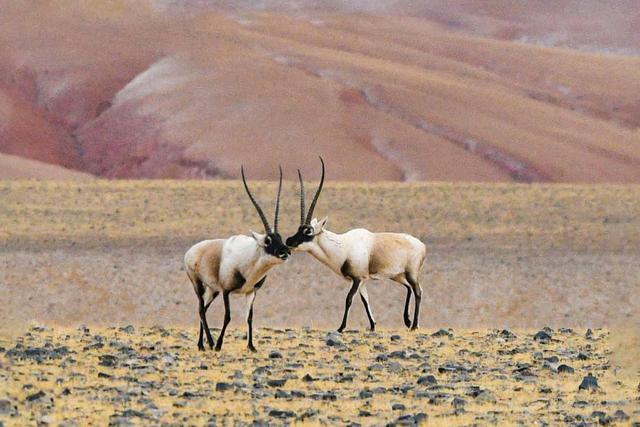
x: 155, y: 376
x: 498, y: 255
x: 107, y: 254
x: 436, y: 90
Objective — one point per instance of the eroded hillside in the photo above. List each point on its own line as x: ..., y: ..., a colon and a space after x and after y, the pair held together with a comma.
x: 169, y: 90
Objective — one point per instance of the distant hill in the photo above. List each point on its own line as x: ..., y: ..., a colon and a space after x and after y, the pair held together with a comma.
x: 453, y: 91
x: 14, y: 167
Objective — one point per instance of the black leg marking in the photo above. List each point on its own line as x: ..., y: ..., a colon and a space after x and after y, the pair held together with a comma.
x: 260, y: 283
x: 206, y: 307
x: 203, y: 317
x: 227, y: 319
x: 372, y: 323
x: 417, y: 292
x: 352, y: 291
x: 407, y: 319
x: 250, y: 325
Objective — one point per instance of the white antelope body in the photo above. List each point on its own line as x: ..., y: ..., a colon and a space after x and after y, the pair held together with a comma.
x: 359, y: 254
x: 237, y: 265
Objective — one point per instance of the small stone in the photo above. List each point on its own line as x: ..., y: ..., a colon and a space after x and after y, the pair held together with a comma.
x: 275, y: 355
x: 589, y: 334
x: 108, y: 360
x: 6, y: 408
x: 128, y: 329
x: 364, y: 413
x: 308, y: 378
x: 621, y: 415
x: 276, y: 382
x: 566, y: 369
x: 222, y: 386
x: 589, y: 383
x: 398, y: 407
x: 282, y: 394
x: 485, y: 396
x: 398, y: 354
x: 395, y: 338
x: 365, y: 394
x: 552, y: 359
x: 542, y: 336
x: 381, y: 358
x: 442, y: 333
x: 507, y: 334
x: 277, y: 413
x: 458, y: 402
x: 427, y: 380
x: 333, y: 342
x: 37, y: 397
x: 104, y: 375
x: 582, y: 356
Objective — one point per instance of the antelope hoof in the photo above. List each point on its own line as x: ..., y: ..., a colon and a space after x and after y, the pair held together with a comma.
x: 252, y: 349
x: 218, y: 347
x: 340, y: 329
x: 414, y: 328
x: 200, y: 347
x: 407, y: 322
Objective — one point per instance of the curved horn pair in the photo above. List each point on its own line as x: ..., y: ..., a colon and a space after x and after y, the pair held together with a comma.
x: 267, y: 229
x: 315, y: 198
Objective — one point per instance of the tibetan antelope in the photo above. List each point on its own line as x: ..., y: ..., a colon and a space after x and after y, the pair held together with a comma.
x: 235, y: 265
x: 359, y: 254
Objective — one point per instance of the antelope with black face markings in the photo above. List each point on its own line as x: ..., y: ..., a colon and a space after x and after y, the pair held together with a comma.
x: 236, y: 265
x: 359, y: 254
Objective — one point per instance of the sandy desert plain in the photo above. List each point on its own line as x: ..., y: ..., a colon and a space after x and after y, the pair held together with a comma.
x: 529, y: 289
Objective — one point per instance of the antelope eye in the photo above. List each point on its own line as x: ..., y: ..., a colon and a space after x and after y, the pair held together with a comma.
x: 308, y: 231
x: 267, y: 240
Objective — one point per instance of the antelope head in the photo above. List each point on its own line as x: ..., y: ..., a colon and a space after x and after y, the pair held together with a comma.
x: 270, y: 241
x: 309, y: 227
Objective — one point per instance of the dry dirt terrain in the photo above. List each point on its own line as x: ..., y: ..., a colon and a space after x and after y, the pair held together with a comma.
x: 451, y: 91
x: 500, y: 256
x: 153, y: 376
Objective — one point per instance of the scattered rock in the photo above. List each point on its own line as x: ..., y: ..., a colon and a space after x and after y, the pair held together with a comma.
x: 129, y: 329
x: 275, y: 355
x: 365, y: 394
x: 334, y: 342
x: 108, y: 360
x: 621, y: 415
x: 589, y: 334
x: 442, y: 333
x: 398, y: 407
x: 308, y: 378
x: 427, y: 380
x: 458, y: 402
x: 542, y: 336
x: 7, y: 408
x: 395, y: 338
x: 589, y: 383
x: 222, y: 386
x: 39, y: 397
x: 565, y: 369
x: 276, y: 382
x: 507, y: 334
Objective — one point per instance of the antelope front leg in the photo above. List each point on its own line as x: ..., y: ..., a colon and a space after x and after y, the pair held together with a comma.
x: 250, y: 298
x: 227, y: 319
x: 352, y: 291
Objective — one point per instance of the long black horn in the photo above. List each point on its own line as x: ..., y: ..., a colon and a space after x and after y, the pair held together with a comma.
x: 302, y: 212
x: 275, y: 221
x: 257, y: 206
x: 315, y: 198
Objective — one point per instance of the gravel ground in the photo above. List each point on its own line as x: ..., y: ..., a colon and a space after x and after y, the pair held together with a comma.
x: 137, y: 375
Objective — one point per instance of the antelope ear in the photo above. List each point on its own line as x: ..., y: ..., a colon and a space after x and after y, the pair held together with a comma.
x: 259, y: 238
x: 318, y: 226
